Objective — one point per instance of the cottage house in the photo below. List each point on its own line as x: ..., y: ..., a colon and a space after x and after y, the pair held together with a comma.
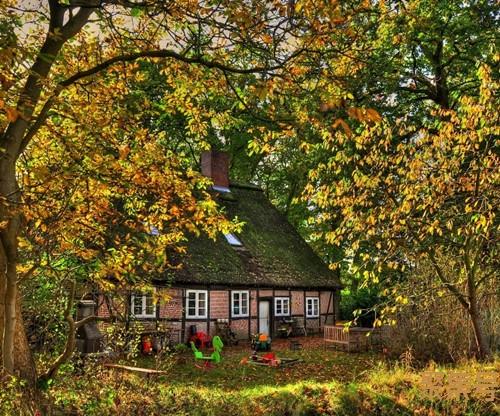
x: 254, y: 280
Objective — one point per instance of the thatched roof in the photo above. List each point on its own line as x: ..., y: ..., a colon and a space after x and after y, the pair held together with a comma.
x: 273, y: 253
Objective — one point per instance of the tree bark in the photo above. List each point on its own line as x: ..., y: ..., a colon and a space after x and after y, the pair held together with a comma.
x: 10, y: 216
x: 471, y: 266
x: 12, y: 142
x: 468, y: 301
x: 483, y: 347
x: 482, y: 344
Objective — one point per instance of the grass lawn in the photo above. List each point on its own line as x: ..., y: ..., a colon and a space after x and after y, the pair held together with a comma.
x: 319, y: 364
x: 326, y: 382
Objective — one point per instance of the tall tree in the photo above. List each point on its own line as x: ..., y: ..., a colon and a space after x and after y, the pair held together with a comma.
x: 56, y: 49
x: 433, y: 196
x: 412, y: 63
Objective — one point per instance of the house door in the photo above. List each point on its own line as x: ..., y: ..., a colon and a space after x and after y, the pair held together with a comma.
x: 264, y: 306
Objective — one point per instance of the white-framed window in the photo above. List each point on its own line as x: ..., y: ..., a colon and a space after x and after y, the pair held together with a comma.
x: 196, y: 303
x: 239, y: 303
x: 312, y: 307
x: 142, y: 305
x: 281, y: 306
x: 233, y: 240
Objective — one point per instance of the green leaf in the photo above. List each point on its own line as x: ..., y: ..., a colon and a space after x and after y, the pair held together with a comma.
x: 136, y: 12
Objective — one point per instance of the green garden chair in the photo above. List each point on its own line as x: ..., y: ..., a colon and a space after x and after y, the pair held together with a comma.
x: 215, y: 357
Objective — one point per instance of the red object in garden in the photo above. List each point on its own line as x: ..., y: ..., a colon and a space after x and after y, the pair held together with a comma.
x: 147, y: 345
x: 200, y: 339
x: 269, y: 360
x: 269, y: 356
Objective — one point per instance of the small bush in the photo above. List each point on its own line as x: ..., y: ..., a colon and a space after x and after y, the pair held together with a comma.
x: 363, y: 300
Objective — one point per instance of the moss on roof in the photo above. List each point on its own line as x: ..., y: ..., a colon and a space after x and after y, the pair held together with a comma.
x: 273, y: 253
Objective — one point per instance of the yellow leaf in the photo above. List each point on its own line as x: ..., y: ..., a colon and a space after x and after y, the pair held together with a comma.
x: 267, y: 38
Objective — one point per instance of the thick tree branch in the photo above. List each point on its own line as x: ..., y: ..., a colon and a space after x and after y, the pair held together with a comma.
x: 167, y: 53
x: 70, y: 342
x: 460, y: 297
x: 161, y: 53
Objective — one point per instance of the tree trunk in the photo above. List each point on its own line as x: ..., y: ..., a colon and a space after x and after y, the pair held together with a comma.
x: 483, y: 347
x: 24, y: 364
x: 15, y: 351
x: 12, y: 142
x: 10, y: 217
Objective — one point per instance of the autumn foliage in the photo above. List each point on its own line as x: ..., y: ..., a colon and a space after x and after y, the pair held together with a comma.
x: 401, y: 193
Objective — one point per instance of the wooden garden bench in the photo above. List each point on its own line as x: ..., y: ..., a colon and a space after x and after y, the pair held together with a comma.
x: 336, y: 335
x: 354, y: 338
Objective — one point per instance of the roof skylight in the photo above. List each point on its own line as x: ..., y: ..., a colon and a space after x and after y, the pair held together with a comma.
x: 220, y: 188
x: 233, y: 240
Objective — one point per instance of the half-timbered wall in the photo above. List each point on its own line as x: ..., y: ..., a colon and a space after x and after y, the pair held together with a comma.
x: 171, y: 312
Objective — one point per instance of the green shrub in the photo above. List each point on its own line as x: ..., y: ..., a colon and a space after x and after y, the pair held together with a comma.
x: 363, y: 300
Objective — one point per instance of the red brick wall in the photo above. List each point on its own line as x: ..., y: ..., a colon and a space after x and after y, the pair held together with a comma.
x: 253, y: 303
x: 173, y: 307
x: 324, y: 299
x: 265, y: 293
x: 253, y: 312
x: 117, y: 302
x: 240, y: 326
x: 254, y: 326
x: 312, y: 293
x: 102, y: 307
x: 215, y: 165
x: 219, y: 304
x: 297, y: 300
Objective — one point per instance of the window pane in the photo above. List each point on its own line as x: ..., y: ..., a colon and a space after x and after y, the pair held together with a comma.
x: 137, y: 305
x: 285, y: 306
x: 236, y: 297
x: 244, y: 303
x: 150, y: 310
x: 192, y: 311
x: 236, y: 310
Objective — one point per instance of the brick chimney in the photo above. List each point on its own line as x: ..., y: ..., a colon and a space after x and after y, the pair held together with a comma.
x: 215, y: 165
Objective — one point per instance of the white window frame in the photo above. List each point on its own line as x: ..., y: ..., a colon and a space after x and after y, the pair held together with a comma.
x: 240, y: 293
x: 197, y: 303
x: 313, y: 300
x: 282, y: 299
x: 143, y: 313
